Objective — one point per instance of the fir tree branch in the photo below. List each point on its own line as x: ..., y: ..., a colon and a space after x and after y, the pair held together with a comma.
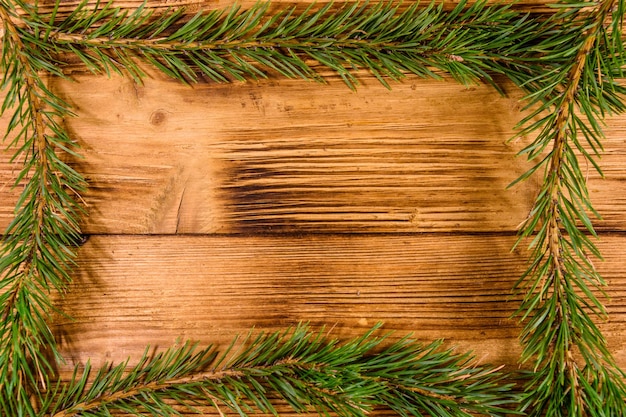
x: 35, y: 253
x: 465, y: 42
x: 560, y: 280
x: 303, y: 368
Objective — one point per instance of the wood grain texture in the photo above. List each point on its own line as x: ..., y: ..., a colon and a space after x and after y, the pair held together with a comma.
x: 293, y: 156
x: 133, y: 291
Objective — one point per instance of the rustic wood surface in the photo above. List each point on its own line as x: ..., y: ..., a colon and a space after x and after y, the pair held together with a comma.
x: 131, y: 291
x: 217, y: 208
x: 295, y: 156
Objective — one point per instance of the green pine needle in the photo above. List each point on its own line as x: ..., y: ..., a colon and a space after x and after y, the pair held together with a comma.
x: 302, y: 368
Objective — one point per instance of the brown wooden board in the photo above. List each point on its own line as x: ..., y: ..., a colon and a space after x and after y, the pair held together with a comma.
x: 134, y: 291
x: 294, y: 156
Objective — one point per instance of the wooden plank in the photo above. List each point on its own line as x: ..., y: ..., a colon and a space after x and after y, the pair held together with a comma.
x: 131, y: 291
x: 286, y: 155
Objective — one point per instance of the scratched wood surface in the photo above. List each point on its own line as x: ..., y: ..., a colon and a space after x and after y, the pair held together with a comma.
x: 217, y: 208
x: 294, y: 156
x: 137, y: 290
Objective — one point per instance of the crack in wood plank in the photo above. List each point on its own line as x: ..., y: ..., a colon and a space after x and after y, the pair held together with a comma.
x: 179, y: 211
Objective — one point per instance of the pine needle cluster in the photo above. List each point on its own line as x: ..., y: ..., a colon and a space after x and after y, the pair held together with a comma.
x: 568, y: 63
x: 302, y: 368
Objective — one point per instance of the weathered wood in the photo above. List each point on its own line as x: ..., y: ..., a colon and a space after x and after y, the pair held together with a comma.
x: 294, y: 156
x: 133, y: 291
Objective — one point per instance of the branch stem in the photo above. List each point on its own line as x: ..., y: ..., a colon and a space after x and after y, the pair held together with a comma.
x: 564, y: 112
x: 150, y: 386
x: 165, y: 46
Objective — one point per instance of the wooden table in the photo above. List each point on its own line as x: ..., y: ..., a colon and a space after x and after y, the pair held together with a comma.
x: 221, y: 207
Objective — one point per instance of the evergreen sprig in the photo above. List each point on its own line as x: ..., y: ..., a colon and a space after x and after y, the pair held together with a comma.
x: 36, y: 250
x: 574, y: 369
x: 568, y: 63
x: 241, y: 45
x: 302, y: 368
